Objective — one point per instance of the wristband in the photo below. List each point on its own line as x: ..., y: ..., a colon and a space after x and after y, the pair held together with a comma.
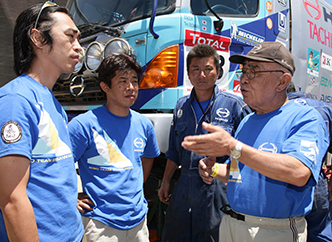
x: 215, y: 172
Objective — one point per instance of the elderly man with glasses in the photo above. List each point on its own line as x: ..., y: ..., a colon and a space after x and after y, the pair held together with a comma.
x: 275, y: 156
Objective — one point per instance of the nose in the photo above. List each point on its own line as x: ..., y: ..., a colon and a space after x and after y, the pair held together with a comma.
x: 202, y: 72
x: 77, y: 46
x: 243, y: 79
x: 130, y: 85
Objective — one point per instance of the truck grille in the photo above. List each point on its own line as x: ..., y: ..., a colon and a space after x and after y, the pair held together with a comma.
x: 91, y: 95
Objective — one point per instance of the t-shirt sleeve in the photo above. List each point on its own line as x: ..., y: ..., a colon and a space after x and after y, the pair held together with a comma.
x: 308, y: 141
x: 152, y: 148
x: 79, y: 138
x: 19, y: 126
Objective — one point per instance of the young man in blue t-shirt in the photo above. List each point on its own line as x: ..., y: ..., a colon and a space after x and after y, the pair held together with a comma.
x: 38, y: 182
x: 115, y: 148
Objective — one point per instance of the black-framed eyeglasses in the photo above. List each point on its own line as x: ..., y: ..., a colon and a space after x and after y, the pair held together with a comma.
x: 251, y: 73
x: 45, y: 5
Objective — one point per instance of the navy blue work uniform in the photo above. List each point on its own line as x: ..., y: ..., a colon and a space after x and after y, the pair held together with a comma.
x: 194, y: 210
x: 318, y: 220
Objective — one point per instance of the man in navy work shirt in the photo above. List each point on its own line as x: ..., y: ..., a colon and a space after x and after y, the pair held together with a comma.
x: 194, y: 212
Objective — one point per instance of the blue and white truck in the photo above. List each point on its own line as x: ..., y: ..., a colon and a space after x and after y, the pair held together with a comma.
x: 159, y: 34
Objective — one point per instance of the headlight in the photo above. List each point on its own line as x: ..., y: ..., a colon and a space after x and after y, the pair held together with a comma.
x: 117, y: 46
x: 94, y: 56
x: 79, y: 65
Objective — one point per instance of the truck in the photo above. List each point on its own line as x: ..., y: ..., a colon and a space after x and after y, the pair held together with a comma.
x: 160, y: 33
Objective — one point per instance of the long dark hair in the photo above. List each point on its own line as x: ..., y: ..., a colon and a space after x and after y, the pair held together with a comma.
x: 23, y: 47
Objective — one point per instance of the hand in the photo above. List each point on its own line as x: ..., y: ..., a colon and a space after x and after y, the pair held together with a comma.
x: 205, y: 169
x: 84, y: 202
x: 216, y: 143
x: 163, y: 193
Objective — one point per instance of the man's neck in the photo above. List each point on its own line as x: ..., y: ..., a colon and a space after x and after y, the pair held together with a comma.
x: 118, y: 111
x: 43, y: 74
x: 203, y: 95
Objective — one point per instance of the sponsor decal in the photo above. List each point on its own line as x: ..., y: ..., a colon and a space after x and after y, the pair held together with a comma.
x: 220, y: 43
x: 322, y: 35
x: 326, y: 62
x: 282, y: 22
x: 11, y: 132
x: 236, y: 86
x: 325, y: 82
x: 326, y: 98
x: 313, y: 62
x: 311, y: 8
x: 245, y: 36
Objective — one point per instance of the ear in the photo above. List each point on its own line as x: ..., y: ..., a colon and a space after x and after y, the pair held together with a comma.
x: 284, y: 80
x: 36, y: 38
x: 104, y: 87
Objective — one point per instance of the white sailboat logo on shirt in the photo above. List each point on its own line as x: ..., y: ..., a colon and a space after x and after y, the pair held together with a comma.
x: 109, y: 153
x: 49, y: 141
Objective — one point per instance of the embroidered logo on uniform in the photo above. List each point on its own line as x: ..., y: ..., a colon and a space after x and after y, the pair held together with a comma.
x: 11, y: 132
x: 223, y: 114
x: 179, y: 113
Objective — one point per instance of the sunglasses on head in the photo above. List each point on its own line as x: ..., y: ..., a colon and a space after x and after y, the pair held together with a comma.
x: 45, y: 5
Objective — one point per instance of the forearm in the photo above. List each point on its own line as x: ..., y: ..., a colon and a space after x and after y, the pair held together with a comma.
x: 15, y: 205
x: 20, y: 221
x: 147, y: 164
x: 170, y: 168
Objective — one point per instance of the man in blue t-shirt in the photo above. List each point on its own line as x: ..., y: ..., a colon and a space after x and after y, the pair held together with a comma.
x: 115, y: 148
x: 38, y: 182
x: 276, y: 153
x: 319, y: 219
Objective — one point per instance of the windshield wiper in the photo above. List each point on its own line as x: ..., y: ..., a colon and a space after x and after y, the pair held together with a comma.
x: 87, y: 28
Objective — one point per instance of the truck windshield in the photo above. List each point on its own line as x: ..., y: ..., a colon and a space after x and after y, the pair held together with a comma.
x: 114, y: 12
x: 225, y: 7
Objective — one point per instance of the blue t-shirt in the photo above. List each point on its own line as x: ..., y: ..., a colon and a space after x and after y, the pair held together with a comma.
x: 293, y: 129
x: 109, y: 151
x: 34, y: 125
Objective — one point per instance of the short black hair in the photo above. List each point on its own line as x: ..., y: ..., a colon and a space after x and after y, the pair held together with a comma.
x: 23, y: 47
x: 202, y: 51
x: 111, y: 63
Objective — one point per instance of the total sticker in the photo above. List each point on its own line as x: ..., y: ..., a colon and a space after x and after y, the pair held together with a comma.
x: 11, y: 132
